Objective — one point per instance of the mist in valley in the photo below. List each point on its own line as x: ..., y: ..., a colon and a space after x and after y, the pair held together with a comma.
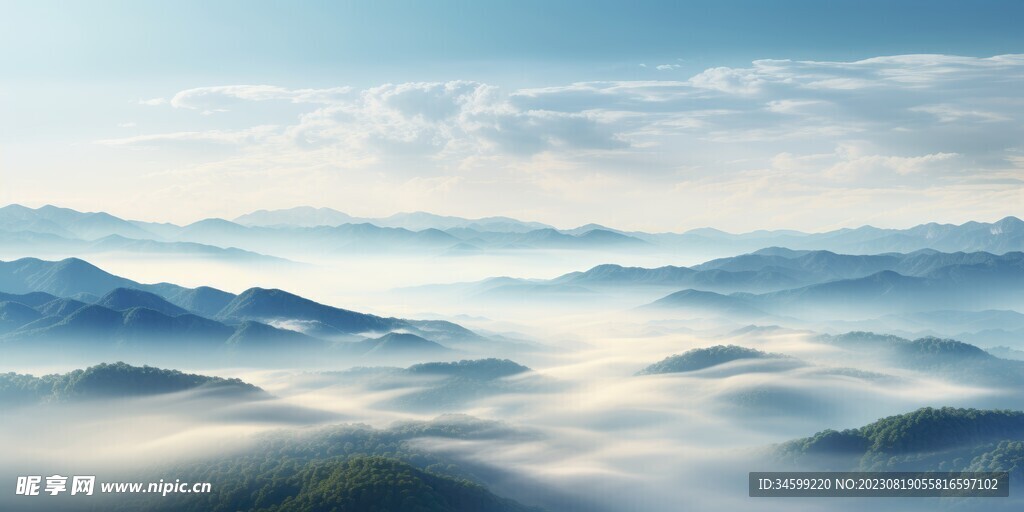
x: 588, y: 420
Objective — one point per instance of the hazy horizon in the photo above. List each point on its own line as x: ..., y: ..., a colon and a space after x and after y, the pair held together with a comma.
x: 368, y: 218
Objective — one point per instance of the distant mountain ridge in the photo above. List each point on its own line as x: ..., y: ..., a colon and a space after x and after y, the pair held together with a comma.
x: 267, y: 232
x: 768, y: 279
x: 66, y: 222
x: 306, y: 216
x: 948, y: 358
x: 50, y: 229
x: 997, y: 237
x: 866, y: 285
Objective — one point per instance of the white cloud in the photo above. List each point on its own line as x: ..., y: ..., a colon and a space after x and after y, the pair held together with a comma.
x: 905, y: 71
x: 255, y: 134
x: 214, y: 98
x: 841, y: 84
x: 152, y: 102
x: 735, y: 127
x: 947, y: 113
x: 794, y: 106
x: 729, y: 80
x: 463, y: 119
x: 668, y: 67
x: 855, y: 166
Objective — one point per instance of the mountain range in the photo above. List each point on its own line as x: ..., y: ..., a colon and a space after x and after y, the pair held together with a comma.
x: 74, y: 302
x: 252, y: 237
x: 998, y: 237
x: 325, y: 232
x: 1001, y: 236
x: 866, y: 285
x: 776, y: 268
x: 307, y: 216
x: 963, y: 287
x: 782, y: 282
x: 53, y: 230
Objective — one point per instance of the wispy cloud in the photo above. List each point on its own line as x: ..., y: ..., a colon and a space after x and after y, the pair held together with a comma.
x: 947, y: 113
x: 250, y: 135
x: 211, y: 98
x: 882, y: 123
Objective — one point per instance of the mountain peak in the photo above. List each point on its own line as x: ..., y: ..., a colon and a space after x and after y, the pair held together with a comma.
x: 300, y: 216
x: 398, y: 343
x: 268, y: 304
x: 213, y: 221
x: 780, y: 251
x: 15, y: 207
x: 1008, y: 224
x: 77, y: 263
x: 121, y: 299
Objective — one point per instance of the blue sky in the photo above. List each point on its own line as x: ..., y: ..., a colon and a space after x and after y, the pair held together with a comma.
x: 739, y: 115
x: 328, y: 40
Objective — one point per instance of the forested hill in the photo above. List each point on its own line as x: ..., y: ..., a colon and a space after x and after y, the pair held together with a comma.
x: 701, y: 358
x: 372, y: 484
x: 945, y: 439
x: 342, y: 468
x: 117, y: 380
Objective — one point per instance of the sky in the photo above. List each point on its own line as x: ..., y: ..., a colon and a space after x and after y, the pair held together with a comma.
x: 656, y: 116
